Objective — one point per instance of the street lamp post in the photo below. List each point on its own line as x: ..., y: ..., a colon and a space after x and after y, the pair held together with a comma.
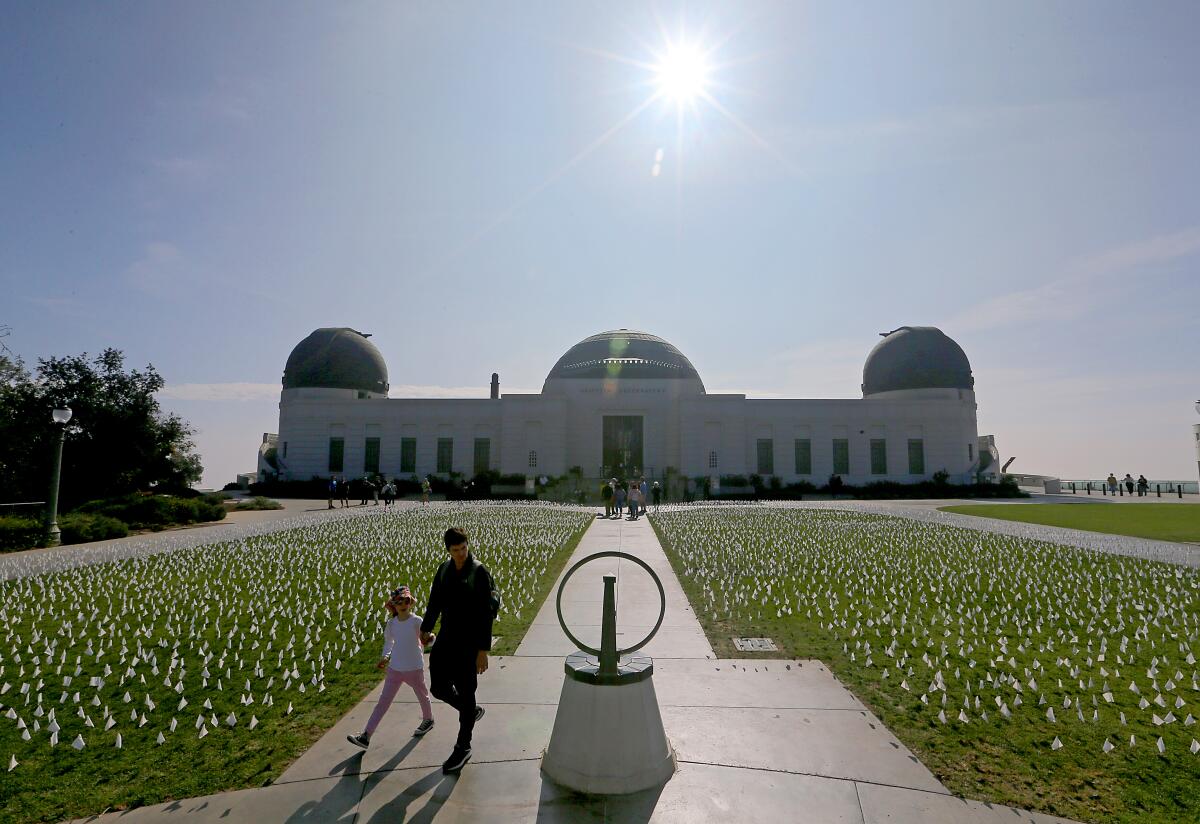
x: 1196, y: 435
x: 62, y: 416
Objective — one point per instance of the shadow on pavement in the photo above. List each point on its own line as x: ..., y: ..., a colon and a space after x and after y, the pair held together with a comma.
x: 557, y: 805
x: 395, y: 810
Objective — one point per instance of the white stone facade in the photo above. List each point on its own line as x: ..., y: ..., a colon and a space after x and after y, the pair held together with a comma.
x: 903, y: 435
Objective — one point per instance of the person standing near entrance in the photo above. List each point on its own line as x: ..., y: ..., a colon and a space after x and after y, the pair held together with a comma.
x: 643, y: 494
x: 332, y: 489
x: 463, y: 596
x: 656, y: 491
x: 620, y: 500
x: 606, y: 494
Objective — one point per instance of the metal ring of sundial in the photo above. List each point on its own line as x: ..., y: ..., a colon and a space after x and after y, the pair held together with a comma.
x: 662, y: 597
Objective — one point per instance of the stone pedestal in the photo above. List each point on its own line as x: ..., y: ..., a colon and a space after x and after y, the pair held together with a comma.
x: 608, y: 738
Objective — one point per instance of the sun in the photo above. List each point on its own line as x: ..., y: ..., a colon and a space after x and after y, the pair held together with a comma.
x: 682, y: 73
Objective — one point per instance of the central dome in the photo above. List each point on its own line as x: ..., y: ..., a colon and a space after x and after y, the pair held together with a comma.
x: 623, y: 353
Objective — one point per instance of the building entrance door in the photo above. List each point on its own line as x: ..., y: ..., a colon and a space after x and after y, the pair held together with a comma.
x: 622, y: 449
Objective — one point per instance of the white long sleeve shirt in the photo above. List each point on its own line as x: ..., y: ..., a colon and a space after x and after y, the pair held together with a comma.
x: 402, y: 641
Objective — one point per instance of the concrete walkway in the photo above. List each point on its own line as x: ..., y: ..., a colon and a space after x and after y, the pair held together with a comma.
x: 757, y: 740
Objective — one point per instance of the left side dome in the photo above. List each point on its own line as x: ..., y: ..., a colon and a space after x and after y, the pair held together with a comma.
x: 336, y: 358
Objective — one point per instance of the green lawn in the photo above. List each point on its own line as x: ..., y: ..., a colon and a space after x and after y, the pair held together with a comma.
x: 284, y: 627
x: 1162, y: 522
x: 960, y: 641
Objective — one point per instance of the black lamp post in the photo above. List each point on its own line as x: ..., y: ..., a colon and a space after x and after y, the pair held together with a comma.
x: 62, y: 416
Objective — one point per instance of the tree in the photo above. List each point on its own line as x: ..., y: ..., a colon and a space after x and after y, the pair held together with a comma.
x: 118, y: 440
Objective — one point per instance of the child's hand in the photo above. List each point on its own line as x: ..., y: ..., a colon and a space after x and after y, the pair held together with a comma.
x: 382, y: 664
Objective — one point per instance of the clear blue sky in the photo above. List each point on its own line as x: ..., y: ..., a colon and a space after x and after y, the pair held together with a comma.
x: 202, y: 184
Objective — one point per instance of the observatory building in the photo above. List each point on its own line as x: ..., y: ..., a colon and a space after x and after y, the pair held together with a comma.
x: 629, y: 403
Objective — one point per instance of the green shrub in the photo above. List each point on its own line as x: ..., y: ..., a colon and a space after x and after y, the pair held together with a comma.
x: 21, y: 533
x: 80, y: 528
x: 156, y: 511
x: 256, y: 503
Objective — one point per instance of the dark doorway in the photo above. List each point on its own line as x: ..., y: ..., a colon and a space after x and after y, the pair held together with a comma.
x: 622, y: 445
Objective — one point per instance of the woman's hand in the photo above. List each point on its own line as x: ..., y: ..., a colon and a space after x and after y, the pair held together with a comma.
x: 481, y: 662
x: 382, y: 664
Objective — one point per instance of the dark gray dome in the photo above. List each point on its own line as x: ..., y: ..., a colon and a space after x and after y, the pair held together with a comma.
x: 916, y: 357
x: 336, y: 358
x: 623, y: 353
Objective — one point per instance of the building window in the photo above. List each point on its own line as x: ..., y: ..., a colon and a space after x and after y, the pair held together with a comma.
x: 371, y: 456
x: 337, y: 452
x: 285, y: 449
x: 841, y: 456
x: 878, y: 456
x: 803, y: 456
x: 408, y: 454
x: 916, y: 456
x: 483, y: 454
x: 712, y: 460
x: 533, y: 458
x: 766, y: 456
x: 970, y: 452
x: 445, y: 454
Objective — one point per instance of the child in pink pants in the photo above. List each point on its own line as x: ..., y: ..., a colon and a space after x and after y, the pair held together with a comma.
x: 405, y: 664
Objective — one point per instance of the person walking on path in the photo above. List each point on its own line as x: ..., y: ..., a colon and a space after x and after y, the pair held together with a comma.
x: 606, y: 495
x: 620, y: 501
x: 389, y: 494
x: 634, y: 504
x: 463, y: 596
x: 656, y: 491
x: 333, y: 490
x: 1143, y: 486
x: 1112, y: 484
x: 402, y: 658
x: 344, y: 491
x: 367, y: 487
x: 1128, y: 480
x: 643, y: 494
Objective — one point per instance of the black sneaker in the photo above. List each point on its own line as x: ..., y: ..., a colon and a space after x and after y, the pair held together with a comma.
x: 426, y: 726
x: 457, y: 759
x: 359, y: 740
x: 479, y: 711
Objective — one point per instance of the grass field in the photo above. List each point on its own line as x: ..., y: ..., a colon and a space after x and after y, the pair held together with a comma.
x: 1162, y: 522
x: 284, y: 629
x: 982, y: 652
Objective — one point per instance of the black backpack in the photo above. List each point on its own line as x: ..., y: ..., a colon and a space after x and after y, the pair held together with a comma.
x: 493, y: 596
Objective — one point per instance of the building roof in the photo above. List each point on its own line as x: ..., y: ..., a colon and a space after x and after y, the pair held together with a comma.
x: 623, y: 353
x: 336, y: 358
x: 916, y: 357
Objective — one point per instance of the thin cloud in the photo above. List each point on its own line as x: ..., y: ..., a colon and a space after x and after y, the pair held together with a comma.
x: 157, y: 269
x: 1086, y: 284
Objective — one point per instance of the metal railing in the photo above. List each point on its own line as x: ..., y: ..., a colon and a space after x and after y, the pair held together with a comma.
x: 1154, y: 489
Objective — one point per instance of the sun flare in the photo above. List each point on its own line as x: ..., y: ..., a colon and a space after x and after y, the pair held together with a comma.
x: 682, y: 73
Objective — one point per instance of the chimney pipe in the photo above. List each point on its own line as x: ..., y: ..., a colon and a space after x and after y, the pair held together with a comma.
x: 495, y: 386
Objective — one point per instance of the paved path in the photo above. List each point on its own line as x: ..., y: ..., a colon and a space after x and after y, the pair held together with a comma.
x: 756, y: 740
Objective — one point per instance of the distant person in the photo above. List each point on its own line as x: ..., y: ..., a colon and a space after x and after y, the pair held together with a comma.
x: 643, y: 494
x: 333, y: 490
x: 405, y: 664
x: 1143, y: 486
x: 620, y: 501
x: 344, y: 489
x: 426, y: 487
x: 1112, y: 484
x: 1129, y: 483
x: 389, y: 494
x: 634, y: 502
x: 606, y: 495
x: 656, y: 491
x: 366, y: 487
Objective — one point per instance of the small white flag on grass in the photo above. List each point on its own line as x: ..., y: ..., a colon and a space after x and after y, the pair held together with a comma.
x: 162, y: 739
x: 253, y: 722
x: 12, y: 761
x: 182, y: 704
x: 120, y: 741
x: 1108, y: 747
x: 203, y: 732
x: 78, y: 742
x: 1132, y: 740
x: 289, y: 709
x: 53, y: 739
x: 1056, y: 744
x: 1161, y: 746
x: 231, y: 720
x: 1050, y: 714
x: 1195, y: 748
x: 174, y: 724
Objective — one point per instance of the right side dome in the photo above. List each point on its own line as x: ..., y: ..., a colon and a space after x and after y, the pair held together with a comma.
x: 916, y: 357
